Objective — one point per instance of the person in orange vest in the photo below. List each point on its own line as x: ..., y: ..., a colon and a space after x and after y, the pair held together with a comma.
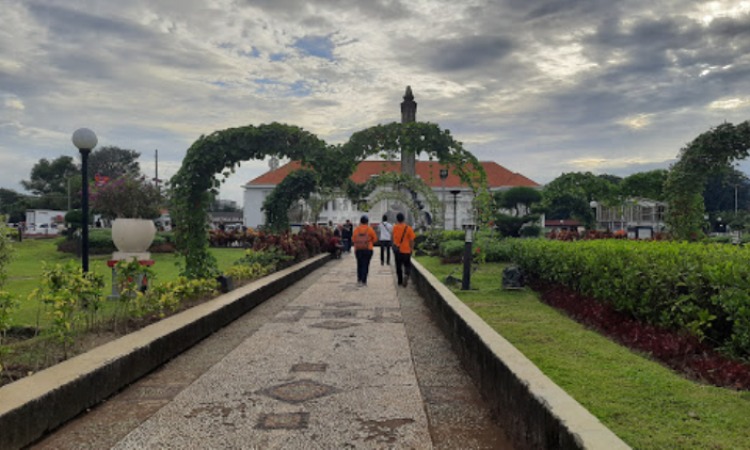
x: 363, y: 238
x: 403, y: 244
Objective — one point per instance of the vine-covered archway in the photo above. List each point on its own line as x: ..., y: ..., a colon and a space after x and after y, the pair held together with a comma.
x: 222, y: 151
x: 402, y: 184
x: 709, y: 152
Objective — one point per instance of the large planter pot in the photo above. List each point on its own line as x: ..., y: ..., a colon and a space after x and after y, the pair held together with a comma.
x: 133, y: 235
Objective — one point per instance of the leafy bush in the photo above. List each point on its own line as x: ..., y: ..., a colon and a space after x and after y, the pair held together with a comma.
x: 700, y: 288
x: 244, y: 272
x: 452, y: 251
x: 71, y: 295
x: 271, y: 257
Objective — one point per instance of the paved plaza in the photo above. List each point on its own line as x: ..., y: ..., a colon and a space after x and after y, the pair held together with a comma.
x: 325, y: 364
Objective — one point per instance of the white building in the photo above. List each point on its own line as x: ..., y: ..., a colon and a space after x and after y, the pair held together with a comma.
x: 455, y: 196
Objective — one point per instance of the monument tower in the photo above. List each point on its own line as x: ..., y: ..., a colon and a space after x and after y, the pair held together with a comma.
x: 408, y: 115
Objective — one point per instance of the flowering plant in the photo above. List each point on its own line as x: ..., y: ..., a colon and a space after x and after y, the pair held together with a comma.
x: 126, y: 197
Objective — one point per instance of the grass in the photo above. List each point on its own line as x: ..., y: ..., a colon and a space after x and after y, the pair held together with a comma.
x: 646, y: 404
x: 25, y: 270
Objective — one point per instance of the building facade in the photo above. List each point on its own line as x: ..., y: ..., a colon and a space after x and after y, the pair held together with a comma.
x: 455, y: 196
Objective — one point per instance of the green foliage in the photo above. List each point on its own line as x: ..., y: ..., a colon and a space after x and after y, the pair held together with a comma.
x: 644, y: 184
x: 703, y: 289
x: 271, y: 257
x: 127, y: 197
x: 222, y: 151
x: 6, y: 252
x: 643, y: 402
x: 402, y: 185
x: 515, y: 197
x: 709, y: 152
x: 298, y: 185
x: 49, y: 181
x: 71, y: 296
x: 113, y: 162
x: 452, y: 250
x: 247, y: 272
x: 570, y: 195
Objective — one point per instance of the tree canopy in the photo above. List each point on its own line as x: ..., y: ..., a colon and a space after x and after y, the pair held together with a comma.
x: 113, y: 162
x: 708, y: 153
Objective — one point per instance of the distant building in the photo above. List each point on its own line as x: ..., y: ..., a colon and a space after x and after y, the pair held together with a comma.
x: 450, y: 192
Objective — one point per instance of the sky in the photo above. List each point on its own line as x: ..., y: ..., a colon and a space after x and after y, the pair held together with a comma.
x: 542, y: 87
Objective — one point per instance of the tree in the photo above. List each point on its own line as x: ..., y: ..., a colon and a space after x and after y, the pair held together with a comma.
x: 570, y: 196
x: 113, y: 162
x: 515, y: 197
x: 710, y: 151
x: 719, y: 193
x: 13, y: 205
x: 645, y: 184
x: 50, y: 180
x: 50, y: 177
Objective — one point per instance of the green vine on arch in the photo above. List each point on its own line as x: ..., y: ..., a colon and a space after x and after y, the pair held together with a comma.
x: 219, y: 153
x: 400, y: 181
x: 298, y: 185
x: 707, y: 153
x: 222, y: 151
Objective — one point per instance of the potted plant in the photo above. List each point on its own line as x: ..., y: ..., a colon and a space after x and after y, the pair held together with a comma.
x: 132, y: 203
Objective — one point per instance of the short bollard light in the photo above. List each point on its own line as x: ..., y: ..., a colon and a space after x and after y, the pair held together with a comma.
x: 468, y: 239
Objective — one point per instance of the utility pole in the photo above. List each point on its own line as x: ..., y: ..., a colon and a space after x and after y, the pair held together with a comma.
x: 156, y: 170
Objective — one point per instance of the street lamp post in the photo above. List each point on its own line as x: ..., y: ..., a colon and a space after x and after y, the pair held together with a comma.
x: 443, y: 176
x: 85, y: 140
x: 468, y: 240
x: 455, y: 193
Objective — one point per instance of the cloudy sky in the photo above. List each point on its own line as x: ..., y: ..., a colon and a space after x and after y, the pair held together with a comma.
x: 540, y: 86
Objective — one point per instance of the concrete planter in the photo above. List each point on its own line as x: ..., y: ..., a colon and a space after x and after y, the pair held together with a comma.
x: 133, y: 235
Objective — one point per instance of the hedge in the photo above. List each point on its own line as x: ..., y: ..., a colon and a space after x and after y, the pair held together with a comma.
x: 701, y: 288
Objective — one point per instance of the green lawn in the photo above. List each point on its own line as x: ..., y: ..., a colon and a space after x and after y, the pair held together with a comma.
x: 26, y: 267
x: 643, y: 402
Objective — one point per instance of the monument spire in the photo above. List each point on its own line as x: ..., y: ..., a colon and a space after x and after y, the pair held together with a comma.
x: 408, y: 115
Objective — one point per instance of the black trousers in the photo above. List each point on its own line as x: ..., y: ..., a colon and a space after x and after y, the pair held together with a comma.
x: 385, y: 252
x: 363, y: 264
x: 403, y: 266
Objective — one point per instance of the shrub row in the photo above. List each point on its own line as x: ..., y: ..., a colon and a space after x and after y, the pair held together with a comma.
x: 701, y: 288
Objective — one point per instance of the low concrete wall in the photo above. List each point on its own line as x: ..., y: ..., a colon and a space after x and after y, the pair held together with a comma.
x: 537, y: 412
x: 37, y: 404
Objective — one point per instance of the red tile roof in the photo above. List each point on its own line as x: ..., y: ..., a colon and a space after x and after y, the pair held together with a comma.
x: 497, y: 175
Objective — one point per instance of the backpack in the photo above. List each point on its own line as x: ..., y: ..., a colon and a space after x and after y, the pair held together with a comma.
x: 361, y: 240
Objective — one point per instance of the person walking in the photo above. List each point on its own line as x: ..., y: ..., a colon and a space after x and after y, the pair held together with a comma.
x: 346, y: 235
x: 385, y: 230
x: 363, y: 238
x: 403, y: 242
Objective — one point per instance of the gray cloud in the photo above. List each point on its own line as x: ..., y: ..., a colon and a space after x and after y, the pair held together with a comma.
x: 542, y: 87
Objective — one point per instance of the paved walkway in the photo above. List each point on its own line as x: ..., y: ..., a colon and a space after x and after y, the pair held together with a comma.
x: 325, y: 364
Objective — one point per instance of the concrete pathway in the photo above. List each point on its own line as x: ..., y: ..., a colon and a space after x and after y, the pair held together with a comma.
x: 325, y: 364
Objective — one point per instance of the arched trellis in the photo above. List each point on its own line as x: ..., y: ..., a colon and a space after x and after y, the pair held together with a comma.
x: 402, y: 183
x: 221, y: 151
x: 298, y: 185
x: 709, y: 152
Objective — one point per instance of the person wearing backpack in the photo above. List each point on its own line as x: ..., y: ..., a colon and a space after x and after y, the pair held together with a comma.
x: 363, y: 239
x: 403, y: 239
x: 386, y: 231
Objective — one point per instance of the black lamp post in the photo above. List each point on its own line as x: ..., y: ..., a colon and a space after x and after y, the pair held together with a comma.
x: 443, y: 176
x: 468, y: 240
x: 85, y: 140
x: 455, y: 207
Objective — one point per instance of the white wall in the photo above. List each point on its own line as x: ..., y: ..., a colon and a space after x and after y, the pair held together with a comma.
x: 254, y: 196
x: 252, y: 201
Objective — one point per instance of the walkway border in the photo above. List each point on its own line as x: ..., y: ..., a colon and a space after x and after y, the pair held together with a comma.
x: 37, y: 404
x: 537, y: 412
